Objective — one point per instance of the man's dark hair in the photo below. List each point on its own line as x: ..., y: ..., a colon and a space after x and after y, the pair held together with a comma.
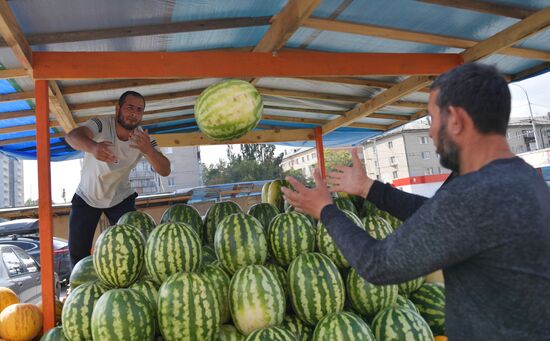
x: 481, y: 91
x: 122, y: 97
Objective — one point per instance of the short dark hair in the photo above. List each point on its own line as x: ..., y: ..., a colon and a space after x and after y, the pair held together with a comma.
x: 481, y: 91
x: 122, y: 97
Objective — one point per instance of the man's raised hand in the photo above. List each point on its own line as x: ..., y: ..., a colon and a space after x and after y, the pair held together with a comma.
x: 308, y: 200
x: 352, y: 180
x: 103, y: 151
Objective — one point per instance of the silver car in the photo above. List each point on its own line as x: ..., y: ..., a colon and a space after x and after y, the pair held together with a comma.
x: 20, y: 273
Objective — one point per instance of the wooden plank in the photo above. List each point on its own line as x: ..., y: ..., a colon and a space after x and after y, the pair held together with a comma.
x: 285, y: 23
x: 530, y: 72
x: 309, y: 95
x: 263, y: 136
x: 131, y: 83
x: 26, y: 139
x: 389, y: 96
x: 13, y: 73
x: 16, y: 114
x: 17, y: 96
x: 14, y: 37
x: 146, y: 120
x: 152, y: 98
x: 319, y: 121
x: 150, y: 65
x: 416, y: 37
x: 485, y: 7
x: 511, y: 35
x: 355, y: 81
x: 145, y: 30
x: 413, y: 117
x: 61, y: 111
x: 315, y: 111
x: 17, y: 129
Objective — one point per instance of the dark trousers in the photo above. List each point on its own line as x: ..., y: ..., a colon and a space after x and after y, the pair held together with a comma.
x: 83, y: 222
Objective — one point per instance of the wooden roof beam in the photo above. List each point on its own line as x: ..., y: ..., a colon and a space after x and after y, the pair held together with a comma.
x: 262, y: 136
x: 146, y: 30
x: 416, y: 37
x: 485, y: 7
x: 13, y: 35
x: 26, y: 139
x: 496, y: 43
x: 150, y: 65
x: 114, y: 85
x: 13, y: 73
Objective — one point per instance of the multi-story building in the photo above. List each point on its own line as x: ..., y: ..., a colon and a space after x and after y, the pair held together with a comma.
x: 186, y: 172
x: 11, y: 173
x: 305, y: 159
x: 520, y: 134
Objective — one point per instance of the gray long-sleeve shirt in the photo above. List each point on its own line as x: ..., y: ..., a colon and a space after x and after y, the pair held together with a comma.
x: 490, y: 233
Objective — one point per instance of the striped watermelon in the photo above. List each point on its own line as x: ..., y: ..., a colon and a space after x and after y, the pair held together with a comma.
x: 316, y: 287
x: 54, y: 334
x: 408, y: 287
x: 230, y: 333
x: 188, y: 308
x: 271, y: 334
x: 171, y: 248
x: 342, y: 326
x: 264, y: 212
x: 220, y: 280
x: 368, y: 299
x: 123, y: 314
x: 83, y: 272
x: 404, y: 302
x: 256, y: 299
x: 141, y: 220
x: 228, y: 110
x: 208, y: 255
x: 265, y: 191
x: 326, y: 244
x: 397, y: 324
x: 148, y: 288
x: 302, y: 331
x: 345, y: 203
x: 377, y: 227
x: 77, y: 310
x: 430, y: 301
x: 118, y: 255
x: 280, y: 273
x: 240, y: 241
x: 183, y: 213
x: 275, y: 195
x: 214, y: 215
x: 289, y: 235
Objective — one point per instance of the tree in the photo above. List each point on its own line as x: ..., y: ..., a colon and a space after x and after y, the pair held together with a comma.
x: 30, y: 202
x: 253, y: 162
x: 337, y: 157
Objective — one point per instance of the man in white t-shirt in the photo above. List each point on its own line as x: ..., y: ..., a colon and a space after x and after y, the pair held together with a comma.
x: 113, y: 146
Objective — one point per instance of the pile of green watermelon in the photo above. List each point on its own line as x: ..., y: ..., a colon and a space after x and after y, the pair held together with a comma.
x: 268, y: 274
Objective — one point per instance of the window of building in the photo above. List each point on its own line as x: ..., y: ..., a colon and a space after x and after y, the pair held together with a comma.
x: 314, y: 156
x: 390, y: 144
x: 395, y: 174
x: 171, y: 181
x: 307, y: 157
x: 377, y: 177
x: 376, y: 163
x: 438, y: 170
x: 392, y: 160
x: 429, y: 171
x: 423, y: 139
x: 425, y: 155
x: 303, y: 159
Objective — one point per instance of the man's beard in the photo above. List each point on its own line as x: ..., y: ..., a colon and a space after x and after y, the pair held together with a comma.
x: 125, y: 125
x: 449, y: 152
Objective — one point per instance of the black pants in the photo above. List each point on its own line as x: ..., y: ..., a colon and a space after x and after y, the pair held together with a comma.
x: 83, y: 221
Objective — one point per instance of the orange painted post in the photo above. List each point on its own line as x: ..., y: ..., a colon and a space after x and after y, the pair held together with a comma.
x: 45, y: 202
x: 320, y: 150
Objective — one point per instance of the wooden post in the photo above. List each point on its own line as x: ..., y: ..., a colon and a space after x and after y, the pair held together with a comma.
x: 45, y: 203
x: 320, y: 150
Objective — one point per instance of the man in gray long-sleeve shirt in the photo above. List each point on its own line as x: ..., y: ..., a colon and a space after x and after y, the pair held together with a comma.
x: 488, y: 228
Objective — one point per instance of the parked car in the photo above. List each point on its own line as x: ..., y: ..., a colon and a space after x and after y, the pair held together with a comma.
x: 21, y: 273
x: 24, y: 234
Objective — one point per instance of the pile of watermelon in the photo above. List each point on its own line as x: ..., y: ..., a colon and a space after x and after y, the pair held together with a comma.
x: 267, y: 274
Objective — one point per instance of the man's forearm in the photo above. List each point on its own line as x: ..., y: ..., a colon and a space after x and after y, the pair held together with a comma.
x: 398, y: 203
x: 79, y: 139
x: 159, y: 162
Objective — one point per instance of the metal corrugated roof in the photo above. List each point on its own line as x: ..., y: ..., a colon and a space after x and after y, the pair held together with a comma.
x: 289, y: 102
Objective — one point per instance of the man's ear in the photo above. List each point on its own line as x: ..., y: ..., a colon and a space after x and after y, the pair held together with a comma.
x: 457, y: 120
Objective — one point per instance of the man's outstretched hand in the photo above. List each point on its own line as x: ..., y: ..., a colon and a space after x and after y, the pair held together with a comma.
x: 308, y: 200
x: 352, y: 180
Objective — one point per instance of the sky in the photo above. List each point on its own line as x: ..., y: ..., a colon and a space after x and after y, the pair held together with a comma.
x: 66, y: 174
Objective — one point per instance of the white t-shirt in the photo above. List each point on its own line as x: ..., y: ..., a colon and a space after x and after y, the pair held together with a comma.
x: 103, y: 184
